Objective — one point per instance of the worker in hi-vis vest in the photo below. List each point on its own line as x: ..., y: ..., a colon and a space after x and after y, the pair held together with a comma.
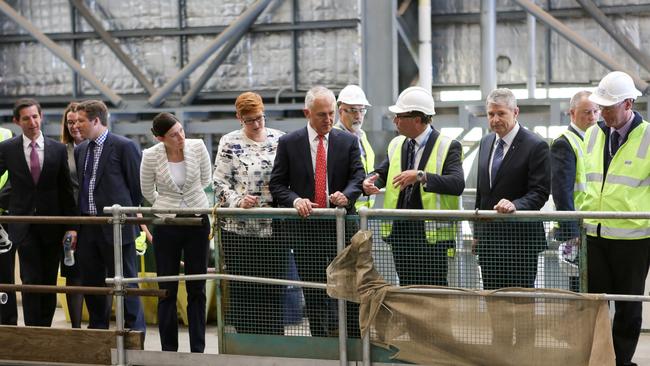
x: 423, y: 170
x: 568, y: 179
x: 8, y: 311
x: 352, y: 107
x: 617, y: 170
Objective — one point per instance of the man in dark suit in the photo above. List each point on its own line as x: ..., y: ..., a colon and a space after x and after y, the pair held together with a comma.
x: 513, y: 174
x: 317, y: 167
x: 415, y: 179
x: 40, y: 186
x: 567, y: 167
x: 108, y: 166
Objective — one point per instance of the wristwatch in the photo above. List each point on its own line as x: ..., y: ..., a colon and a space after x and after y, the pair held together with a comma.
x: 421, y: 177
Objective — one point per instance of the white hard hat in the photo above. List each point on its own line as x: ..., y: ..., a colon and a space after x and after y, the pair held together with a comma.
x: 353, y: 94
x: 614, y: 88
x: 414, y: 98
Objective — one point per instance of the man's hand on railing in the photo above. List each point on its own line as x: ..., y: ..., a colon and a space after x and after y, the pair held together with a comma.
x: 338, y: 199
x: 369, y: 187
x: 304, y: 206
x: 505, y: 206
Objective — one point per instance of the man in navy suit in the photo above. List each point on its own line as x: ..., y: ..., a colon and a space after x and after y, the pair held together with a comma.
x: 513, y: 174
x: 109, y: 173
x: 40, y: 186
x: 567, y: 167
x: 317, y: 167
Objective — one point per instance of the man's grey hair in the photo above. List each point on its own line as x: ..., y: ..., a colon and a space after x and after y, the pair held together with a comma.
x: 502, y: 96
x: 577, y: 97
x: 318, y: 92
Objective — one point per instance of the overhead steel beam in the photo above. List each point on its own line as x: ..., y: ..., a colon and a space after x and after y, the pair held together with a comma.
x: 59, y: 52
x: 640, y: 57
x: 193, y: 31
x: 244, y: 21
x: 573, y: 37
x: 517, y: 15
x: 110, y: 42
x: 407, y: 38
x: 488, y: 47
x: 191, y: 94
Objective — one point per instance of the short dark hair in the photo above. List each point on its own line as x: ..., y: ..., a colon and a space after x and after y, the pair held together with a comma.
x: 94, y: 109
x: 25, y: 103
x: 424, y: 118
x: 162, y: 123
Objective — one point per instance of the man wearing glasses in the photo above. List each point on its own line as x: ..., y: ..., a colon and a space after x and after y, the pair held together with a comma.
x: 422, y: 170
x: 617, y: 166
x: 353, y: 106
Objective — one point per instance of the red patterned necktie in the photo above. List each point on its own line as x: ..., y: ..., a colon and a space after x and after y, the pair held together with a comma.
x: 34, y: 163
x: 320, y: 178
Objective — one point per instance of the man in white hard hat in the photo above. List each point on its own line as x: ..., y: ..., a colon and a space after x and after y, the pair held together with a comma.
x: 513, y: 175
x: 568, y: 174
x: 422, y: 170
x: 617, y: 167
x: 352, y: 108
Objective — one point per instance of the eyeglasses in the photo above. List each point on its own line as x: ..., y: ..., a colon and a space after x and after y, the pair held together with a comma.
x: 403, y: 116
x: 610, y: 107
x: 355, y: 110
x: 250, y: 121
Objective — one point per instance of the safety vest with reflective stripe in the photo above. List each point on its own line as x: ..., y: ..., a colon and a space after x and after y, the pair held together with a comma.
x: 4, y: 135
x: 626, y: 186
x: 434, y: 231
x: 578, y: 150
x: 368, y: 162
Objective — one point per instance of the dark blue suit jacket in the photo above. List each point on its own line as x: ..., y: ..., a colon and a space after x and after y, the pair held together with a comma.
x: 293, y: 173
x: 52, y: 196
x: 563, y: 177
x: 117, y: 180
x: 524, y: 178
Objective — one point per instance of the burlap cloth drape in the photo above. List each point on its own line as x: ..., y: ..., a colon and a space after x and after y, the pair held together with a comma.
x: 470, y: 330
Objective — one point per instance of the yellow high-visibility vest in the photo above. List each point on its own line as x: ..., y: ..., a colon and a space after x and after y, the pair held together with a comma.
x: 625, y: 187
x: 434, y: 231
x: 368, y: 162
x: 577, y: 145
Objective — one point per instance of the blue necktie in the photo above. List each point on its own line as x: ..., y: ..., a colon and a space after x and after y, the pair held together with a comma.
x: 410, y: 155
x: 410, y: 164
x: 497, y: 159
x: 84, y: 204
x: 614, y: 143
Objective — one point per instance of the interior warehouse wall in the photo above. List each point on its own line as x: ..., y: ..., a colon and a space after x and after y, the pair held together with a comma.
x: 260, y: 61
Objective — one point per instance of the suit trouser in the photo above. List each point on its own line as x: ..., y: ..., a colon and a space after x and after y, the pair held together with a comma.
x: 96, y: 256
x: 255, y: 307
x: 418, y: 262
x: 171, y: 244
x: 314, y: 248
x: 8, y: 311
x: 39, y: 264
x: 620, y: 267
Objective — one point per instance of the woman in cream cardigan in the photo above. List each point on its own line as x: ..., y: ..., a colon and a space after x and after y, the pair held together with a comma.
x: 174, y: 174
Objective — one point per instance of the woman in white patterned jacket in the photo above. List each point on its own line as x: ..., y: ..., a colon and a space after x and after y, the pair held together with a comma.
x: 241, y: 179
x: 174, y: 174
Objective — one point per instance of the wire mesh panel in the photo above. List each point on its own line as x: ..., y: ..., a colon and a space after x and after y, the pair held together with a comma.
x: 283, y: 248
x: 489, y: 255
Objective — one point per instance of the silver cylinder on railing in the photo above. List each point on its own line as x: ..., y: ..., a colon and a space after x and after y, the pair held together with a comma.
x: 3, y: 298
x: 118, y: 284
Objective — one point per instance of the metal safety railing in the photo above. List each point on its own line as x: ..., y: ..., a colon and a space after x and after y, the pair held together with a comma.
x: 282, y: 228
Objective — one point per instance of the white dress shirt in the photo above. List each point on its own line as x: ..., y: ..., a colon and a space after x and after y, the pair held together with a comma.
x: 27, y: 149
x: 313, y: 147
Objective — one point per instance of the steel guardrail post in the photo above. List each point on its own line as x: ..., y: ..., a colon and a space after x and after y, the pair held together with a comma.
x: 365, y: 339
x: 118, y: 284
x: 343, y: 329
